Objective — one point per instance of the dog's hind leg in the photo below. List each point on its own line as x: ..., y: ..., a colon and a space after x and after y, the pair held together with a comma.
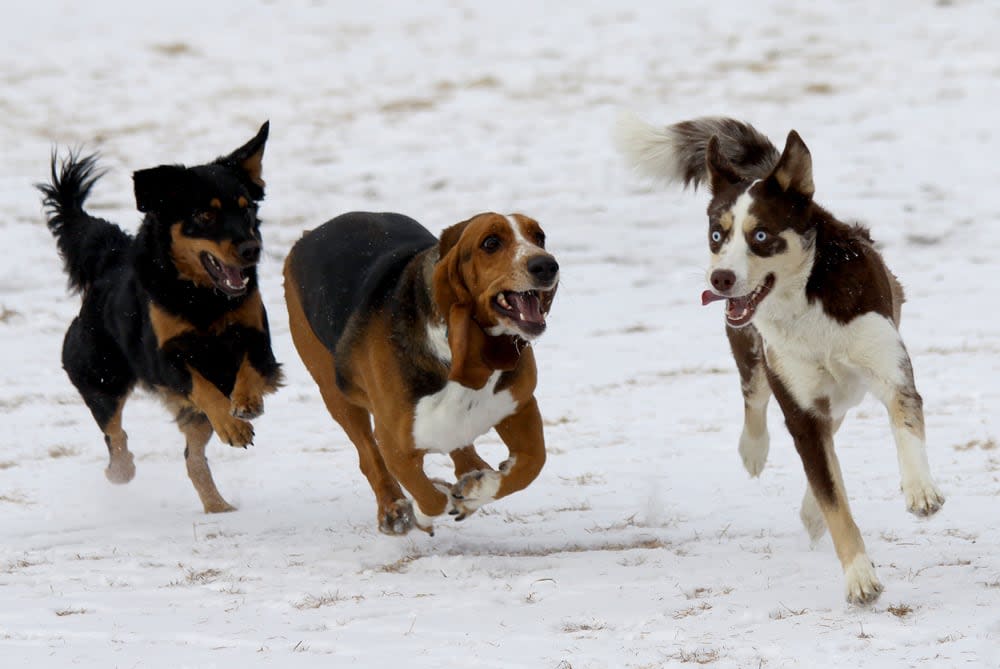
x: 812, y: 430
x: 881, y: 355
x: 748, y: 350
x: 104, y: 380
x: 197, y: 432
x: 810, y: 512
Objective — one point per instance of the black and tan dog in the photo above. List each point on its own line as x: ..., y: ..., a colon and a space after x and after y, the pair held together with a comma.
x: 175, y: 308
x: 812, y: 314
x: 431, y: 340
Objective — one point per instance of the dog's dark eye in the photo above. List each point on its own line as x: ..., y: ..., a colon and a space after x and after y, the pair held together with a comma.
x: 491, y: 244
x: 206, y: 216
x: 760, y: 236
x: 716, y: 236
x: 540, y: 239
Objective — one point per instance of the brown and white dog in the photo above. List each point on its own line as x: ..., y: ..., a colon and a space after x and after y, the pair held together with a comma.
x: 812, y: 314
x: 430, y: 340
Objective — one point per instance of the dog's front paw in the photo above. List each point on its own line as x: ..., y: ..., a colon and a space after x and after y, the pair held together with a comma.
x: 234, y: 431
x: 863, y: 586
x: 754, y: 451
x: 473, y: 490
x: 923, y: 498
x: 247, y: 408
x: 121, y: 469
x: 396, y: 519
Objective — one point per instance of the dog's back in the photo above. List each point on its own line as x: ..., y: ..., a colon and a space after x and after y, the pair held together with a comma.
x: 349, y: 265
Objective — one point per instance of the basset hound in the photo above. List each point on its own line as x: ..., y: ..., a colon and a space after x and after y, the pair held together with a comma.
x: 427, y: 341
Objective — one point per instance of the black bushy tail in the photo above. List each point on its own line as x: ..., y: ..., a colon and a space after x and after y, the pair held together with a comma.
x: 676, y: 153
x: 89, y: 246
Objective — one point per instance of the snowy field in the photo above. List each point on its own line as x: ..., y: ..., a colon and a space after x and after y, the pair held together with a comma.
x: 643, y: 543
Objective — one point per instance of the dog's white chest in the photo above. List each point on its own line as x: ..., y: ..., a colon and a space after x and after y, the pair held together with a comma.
x: 455, y: 415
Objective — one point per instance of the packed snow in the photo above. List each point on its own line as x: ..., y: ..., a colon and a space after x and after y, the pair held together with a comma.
x: 643, y: 543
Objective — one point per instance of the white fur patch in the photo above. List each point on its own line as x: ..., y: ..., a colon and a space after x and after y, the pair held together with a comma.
x: 455, y: 415
x: 862, y: 584
x: 521, y: 243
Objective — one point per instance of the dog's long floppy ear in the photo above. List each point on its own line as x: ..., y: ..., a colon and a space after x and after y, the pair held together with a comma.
x: 160, y: 188
x: 794, y: 172
x: 454, y: 301
x: 249, y: 160
x: 721, y: 172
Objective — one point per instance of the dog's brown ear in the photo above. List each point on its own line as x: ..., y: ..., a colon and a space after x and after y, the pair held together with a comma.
x: 467, y: 341
x: 249, y: 160
x: 160, y: 188
x: 721, y: 173
x: 794, y: 171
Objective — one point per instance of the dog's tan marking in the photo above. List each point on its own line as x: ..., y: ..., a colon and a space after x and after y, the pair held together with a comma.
x: 121, y: 465
x: 197, y: 432
x: 250, y: 313
x: 166, y: 325
x: 186, y: 254
x: 215, y: 203
x: 247, y: 397
x: 750, y: 223
x: 242, y: 202
x: 216, y: 406
x: 726, y: 221
x: 467, y: 460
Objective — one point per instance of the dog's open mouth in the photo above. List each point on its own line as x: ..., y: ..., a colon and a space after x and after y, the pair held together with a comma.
x: 525, y: 309
x: 227, y: 278
x: 740, y: 310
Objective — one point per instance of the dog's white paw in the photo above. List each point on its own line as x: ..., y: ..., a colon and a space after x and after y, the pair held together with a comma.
x: 812, y: 516
x: 473, y: 490
x: 863, y: 586
x: 922, y: 497
x: 754, y: 451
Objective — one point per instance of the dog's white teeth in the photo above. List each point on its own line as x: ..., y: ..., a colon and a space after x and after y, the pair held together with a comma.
x: 244, y: 282
x: 520, y: 315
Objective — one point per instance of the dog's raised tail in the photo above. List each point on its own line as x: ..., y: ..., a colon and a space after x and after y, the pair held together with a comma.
x: 89, y: 246
x: 676, y: 153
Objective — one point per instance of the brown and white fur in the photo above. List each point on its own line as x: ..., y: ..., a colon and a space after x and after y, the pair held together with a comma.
x: 428, y: 342
x: 812, y: 314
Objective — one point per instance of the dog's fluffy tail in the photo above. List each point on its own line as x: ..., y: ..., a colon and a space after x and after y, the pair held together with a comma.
x: 676, y: 153
x: 89, y: 246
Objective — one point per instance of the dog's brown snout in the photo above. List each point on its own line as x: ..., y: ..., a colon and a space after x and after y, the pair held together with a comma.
x: 723, y: 280
x: 543, y: 267
x: 249, y: 251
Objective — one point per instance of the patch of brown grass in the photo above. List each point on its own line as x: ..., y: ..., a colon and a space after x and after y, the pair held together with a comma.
x: 62, y: 452
x: 692, y: 611
x: 900, y: 610
x: 698, y: 656
x: 982, y: 444
x: 576, y: 628
x: 324, y: 599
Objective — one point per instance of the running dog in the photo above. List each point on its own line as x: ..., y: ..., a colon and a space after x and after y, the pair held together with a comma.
x: 430, y: 340
x: 812, y: 314
x: 175, y: 308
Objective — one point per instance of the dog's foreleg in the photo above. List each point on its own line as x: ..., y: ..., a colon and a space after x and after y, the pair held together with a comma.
x: 218, y: 408
x: 524, y: 437
x: 812, y: 431
x: 747, y: 348
x: 881, y: 354
x: 197, y: 432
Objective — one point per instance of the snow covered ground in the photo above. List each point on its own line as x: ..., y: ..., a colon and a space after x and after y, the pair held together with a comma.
x: 643, y: 543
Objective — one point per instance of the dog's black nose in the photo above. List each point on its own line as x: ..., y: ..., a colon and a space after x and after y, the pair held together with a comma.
x: 723, y: 280
x: 249, y: 250
x: 543, y: 267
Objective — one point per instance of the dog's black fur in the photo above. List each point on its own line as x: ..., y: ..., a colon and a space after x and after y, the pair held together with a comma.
x: 150, y: 314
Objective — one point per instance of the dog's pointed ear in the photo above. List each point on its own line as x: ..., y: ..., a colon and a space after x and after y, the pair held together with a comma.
x: 249, y: 160
x: 157, y: 188
x: 793, y: 172
x: 721, y: 172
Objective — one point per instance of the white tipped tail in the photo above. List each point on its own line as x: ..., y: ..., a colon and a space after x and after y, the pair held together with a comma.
x: 676, y: 153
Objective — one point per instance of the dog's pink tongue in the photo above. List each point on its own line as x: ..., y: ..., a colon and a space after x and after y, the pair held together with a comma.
x: 528, y: 306
x: 708, y: 296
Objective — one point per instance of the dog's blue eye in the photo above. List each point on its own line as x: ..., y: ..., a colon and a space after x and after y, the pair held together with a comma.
x: 760, y: 236
x: 716, y: 236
